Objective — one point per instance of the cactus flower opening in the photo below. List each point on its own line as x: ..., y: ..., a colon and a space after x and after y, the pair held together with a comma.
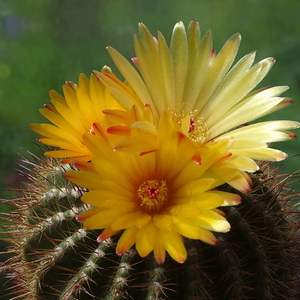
x: 208, y: 96
x: 153, y: 150
x: 72, y: 115
x: 156, y: 198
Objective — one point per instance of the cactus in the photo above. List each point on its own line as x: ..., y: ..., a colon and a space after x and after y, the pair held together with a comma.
x: 54, y: 257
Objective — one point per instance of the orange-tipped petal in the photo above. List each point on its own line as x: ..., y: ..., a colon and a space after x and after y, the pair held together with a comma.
x: 119, y: 130
x: 108, y: 232
x: 173, y: 243
x: 126, y: 240
x: 159, y: 251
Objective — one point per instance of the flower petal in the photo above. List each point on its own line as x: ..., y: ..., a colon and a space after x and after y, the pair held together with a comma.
x: 101, y: 219
x: 211, y: 221
x: 164, y: 222
x: 194, y: 187
x: 192, y: 231
x: 127, y: 240
x: 159, y: 250
x: 106, y: 233
x: 228, y: 198
x: 125, y: 221
x: 173, y: 243
x: 185, y: 210
x: 262, y: 154
x: 145, y: 239
x: 85, y: 179
x: 208, y: 200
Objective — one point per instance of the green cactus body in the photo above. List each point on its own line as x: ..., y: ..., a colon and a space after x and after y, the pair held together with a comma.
x: 56, y: 258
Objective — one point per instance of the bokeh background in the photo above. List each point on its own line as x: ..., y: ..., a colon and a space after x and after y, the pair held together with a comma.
x: 45, y: 43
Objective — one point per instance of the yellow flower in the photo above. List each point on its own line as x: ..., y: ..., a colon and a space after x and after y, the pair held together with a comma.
x: 208, y: 97
x: 157, y: 198
x: 73, y: 115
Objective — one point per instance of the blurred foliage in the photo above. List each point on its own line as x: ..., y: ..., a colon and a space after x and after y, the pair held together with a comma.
x: 45, y: 43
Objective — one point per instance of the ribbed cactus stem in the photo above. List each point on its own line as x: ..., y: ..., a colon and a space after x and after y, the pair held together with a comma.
x: 56, y: 258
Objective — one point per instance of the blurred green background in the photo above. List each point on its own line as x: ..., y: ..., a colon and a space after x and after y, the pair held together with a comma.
x: 44, y: 43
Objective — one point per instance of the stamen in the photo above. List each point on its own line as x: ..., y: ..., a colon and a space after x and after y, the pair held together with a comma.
x: 92, y: 131
x: 197, y: 129
x: 153, y: 194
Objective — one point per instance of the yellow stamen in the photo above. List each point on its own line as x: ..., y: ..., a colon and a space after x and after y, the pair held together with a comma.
x: 198, y: 131
x: 192, y: 125
x: 153, y: 194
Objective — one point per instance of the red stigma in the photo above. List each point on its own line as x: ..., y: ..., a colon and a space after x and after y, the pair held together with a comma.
x: 192, y: 125
x: 152, y: 192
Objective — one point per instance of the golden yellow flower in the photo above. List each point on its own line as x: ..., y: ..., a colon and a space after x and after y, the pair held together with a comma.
x: 152, y: 150
x: 209, y: 97
x: 73, y: 115
x: 157, y: 198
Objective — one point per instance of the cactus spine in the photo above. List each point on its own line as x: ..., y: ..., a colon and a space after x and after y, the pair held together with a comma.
x: 55, y: 258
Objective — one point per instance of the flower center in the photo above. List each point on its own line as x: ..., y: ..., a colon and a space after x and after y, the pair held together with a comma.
x: 196, y: 129
x: 153, y: 194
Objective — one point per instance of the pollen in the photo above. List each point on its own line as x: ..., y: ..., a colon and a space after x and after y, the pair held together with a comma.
x: 193, y: 125
x: 153, y: 195
x: 198, y: 130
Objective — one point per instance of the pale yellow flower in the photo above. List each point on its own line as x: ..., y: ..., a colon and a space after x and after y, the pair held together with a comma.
x: 209, y: 97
